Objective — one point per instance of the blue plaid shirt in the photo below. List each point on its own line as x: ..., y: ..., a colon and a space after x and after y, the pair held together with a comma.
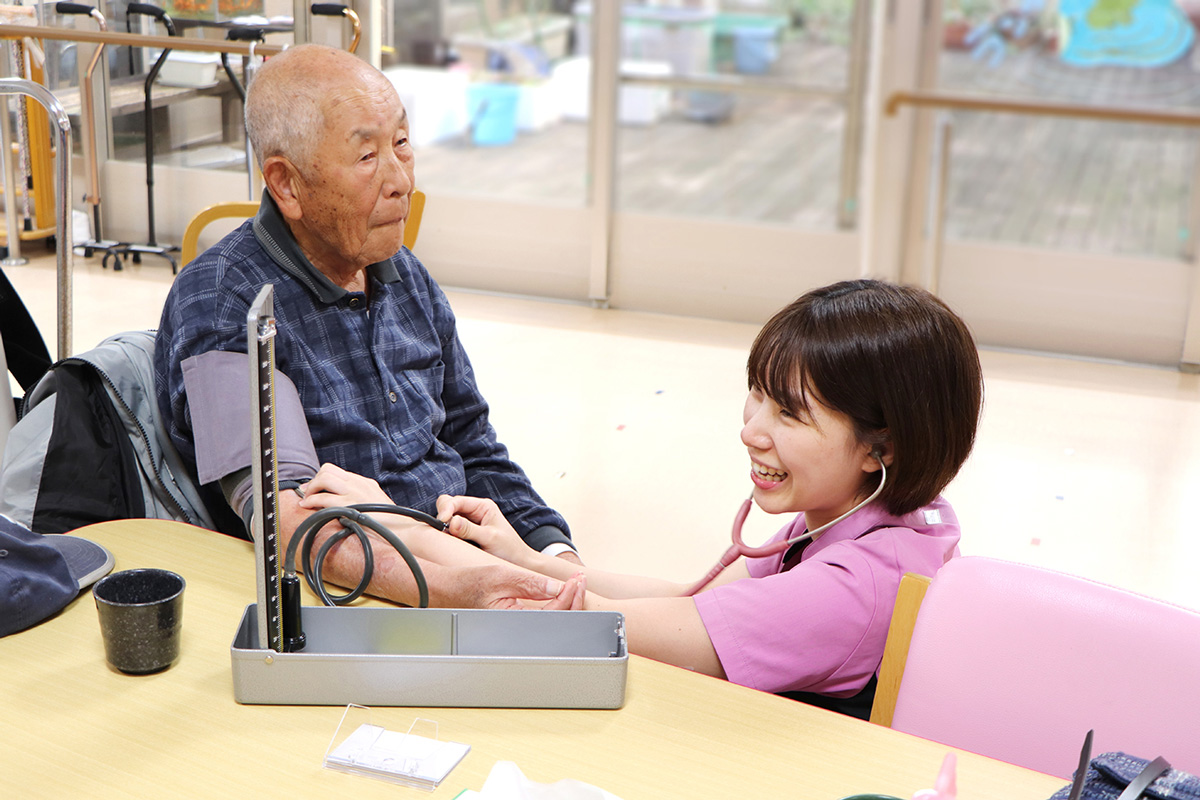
x: 387, y: 389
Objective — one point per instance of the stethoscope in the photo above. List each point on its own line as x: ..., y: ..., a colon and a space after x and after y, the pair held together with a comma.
x: 740, y: 548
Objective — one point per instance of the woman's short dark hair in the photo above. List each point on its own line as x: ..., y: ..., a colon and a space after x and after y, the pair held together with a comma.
x: 893, y: 359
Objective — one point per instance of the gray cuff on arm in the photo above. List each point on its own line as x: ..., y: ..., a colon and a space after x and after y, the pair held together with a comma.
x: 238, y: 488
x: 541, y: 537
x: 218, y: 392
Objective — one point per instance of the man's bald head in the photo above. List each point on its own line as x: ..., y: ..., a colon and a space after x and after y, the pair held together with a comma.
x: 287, y: 100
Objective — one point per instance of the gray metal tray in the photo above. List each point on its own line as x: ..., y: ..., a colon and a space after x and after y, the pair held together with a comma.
x: 438, y: 657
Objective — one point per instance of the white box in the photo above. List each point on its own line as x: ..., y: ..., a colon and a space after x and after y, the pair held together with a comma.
x: 187, y: 68
x: 636, y: 105
x: 538, y: 106
x: 435, y: 99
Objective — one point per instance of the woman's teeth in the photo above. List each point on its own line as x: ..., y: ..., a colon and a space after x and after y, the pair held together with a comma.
x: 769, y: 474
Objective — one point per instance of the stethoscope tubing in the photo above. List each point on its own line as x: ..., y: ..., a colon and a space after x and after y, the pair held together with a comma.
x: 740, y: 548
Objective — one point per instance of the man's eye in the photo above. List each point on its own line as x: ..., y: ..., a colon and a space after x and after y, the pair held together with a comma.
x: 402, y: 141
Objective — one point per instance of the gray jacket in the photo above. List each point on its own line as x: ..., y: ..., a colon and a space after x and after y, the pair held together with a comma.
x: 124, y: 364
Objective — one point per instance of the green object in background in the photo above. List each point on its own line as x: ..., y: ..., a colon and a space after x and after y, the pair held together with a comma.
x: 728, y: 28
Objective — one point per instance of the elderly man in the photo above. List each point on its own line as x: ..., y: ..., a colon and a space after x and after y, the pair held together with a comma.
x: 372, y: 367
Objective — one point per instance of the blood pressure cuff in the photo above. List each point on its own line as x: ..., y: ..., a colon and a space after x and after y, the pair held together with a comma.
x: 218, y: 395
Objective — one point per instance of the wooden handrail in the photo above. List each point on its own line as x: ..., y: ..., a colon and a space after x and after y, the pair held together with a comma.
x: 194, y: 44
x: 967, y: 102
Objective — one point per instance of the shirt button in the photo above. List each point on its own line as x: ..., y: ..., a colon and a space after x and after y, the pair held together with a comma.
x: 392, y: 396
x: 355, y: 302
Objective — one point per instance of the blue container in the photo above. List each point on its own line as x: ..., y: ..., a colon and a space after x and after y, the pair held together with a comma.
x: 492, y: 110
x: 755, y: 49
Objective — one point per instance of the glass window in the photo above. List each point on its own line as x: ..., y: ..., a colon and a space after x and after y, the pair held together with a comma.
x: 1082, y: 185
x: 492, y: 94
x: 762, y: 132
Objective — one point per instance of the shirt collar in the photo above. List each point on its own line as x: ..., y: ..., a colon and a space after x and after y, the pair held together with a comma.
x: 932, y: 519
x: 272, y: 233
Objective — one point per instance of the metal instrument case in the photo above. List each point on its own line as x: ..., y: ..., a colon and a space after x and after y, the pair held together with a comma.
x: 381, y: 656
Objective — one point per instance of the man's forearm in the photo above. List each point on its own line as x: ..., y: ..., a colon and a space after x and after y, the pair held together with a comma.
x: 391, y: 579
x: 457, y: 574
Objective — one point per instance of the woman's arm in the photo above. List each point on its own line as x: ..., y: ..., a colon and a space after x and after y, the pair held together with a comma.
x: 479, y: 520
x: 667, y: 629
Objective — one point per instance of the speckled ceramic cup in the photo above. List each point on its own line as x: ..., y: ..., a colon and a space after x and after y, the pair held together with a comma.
x: 141, y: 611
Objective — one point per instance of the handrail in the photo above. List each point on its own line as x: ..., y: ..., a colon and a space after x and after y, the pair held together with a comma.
x: 715, y: 82
x: 968, y: 102
x: 194, y: 44
x: 20, y: 86
x: 1190, y: 357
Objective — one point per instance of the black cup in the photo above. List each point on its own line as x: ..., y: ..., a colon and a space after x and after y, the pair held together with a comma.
x: 141, y: 611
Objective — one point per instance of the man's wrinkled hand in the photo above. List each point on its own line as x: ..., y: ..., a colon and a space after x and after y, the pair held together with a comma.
x: 502, y: 587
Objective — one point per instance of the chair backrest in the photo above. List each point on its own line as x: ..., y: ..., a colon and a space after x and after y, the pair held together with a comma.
x: 189, y: 247
x: 1018, y: 662
x: 191, y: 234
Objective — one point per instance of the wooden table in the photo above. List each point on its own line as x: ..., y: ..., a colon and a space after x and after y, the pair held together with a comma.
x: 72, y: 727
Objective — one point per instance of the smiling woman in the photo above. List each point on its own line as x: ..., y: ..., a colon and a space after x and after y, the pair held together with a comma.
x: 807, y: 460
x: 894, y: 364
x: 848, y: 382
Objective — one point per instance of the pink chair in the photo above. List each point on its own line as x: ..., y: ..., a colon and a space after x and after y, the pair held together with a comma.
x: 1018, y: 663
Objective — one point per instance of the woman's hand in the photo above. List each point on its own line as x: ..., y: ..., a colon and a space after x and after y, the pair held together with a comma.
x: 572, y: 597
x: 479, y: 520
x: 333, y: 486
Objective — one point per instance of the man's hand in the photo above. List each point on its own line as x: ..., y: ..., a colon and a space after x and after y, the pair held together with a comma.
x: 502, y: 587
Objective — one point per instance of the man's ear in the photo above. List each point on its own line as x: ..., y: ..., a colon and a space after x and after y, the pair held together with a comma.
x: 282, y: 181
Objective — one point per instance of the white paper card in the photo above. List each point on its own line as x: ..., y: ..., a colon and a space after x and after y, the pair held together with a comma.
x: 408, y: 759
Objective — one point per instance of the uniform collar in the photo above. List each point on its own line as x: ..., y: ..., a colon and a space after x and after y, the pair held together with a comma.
x: 930, y: 519
x: 272, y: 233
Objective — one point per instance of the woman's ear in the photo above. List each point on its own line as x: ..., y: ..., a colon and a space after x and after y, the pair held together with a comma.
x: 876, y: 453
x: 281, y: 180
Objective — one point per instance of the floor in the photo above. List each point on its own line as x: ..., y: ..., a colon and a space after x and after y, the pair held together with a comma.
x: 628, y: 423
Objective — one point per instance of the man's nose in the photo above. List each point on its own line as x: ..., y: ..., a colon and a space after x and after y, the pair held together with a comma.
x: 398, y: 179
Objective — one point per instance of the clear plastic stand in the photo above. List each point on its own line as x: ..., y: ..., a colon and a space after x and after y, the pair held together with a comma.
x: 408, y: 759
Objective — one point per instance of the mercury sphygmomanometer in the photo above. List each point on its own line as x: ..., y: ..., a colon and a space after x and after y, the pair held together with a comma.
x: 279, y: 623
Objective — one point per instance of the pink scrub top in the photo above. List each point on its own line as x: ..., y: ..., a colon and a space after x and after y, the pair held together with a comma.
x: 820, y: 625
